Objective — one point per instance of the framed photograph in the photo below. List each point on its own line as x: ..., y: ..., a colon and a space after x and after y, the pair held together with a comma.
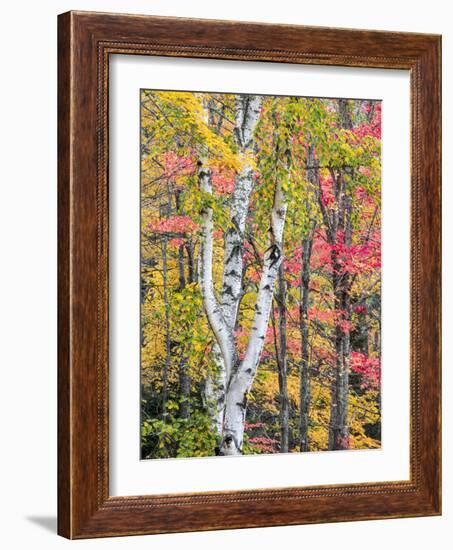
x: 249, y: 275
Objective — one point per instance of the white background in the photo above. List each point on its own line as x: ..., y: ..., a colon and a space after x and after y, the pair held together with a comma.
x: 28, y: 274
x: 128, y: 475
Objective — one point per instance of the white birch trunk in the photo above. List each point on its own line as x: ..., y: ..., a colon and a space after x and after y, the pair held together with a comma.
x: 234, y: 248
x: 247, y: 116
x: 215, y: 388
x: 224, y: 353
x: 241, y: 382
x: 219, y: 327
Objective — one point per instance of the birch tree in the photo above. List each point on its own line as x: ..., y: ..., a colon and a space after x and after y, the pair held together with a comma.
x: 243, y: 311
x: 236, y: 377
x: 222, y: 316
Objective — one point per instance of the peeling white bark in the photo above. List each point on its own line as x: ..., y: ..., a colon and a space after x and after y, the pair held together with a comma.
x: 234, y: 248
x: 215, y: 389
x: 224, y: 350
x: 227, y: 388
x: 247, y: 115
x: 242, y: 380
x: 222, y: 332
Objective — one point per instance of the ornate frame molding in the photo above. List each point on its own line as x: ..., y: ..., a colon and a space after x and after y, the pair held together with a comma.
x: 86, y: 40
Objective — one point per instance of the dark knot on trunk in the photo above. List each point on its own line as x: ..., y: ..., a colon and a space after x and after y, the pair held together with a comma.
x: 229, y: 446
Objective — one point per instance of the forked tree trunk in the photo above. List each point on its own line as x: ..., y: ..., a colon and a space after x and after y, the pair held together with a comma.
x: 222, y: 331
x: 247, y: 111
x: 236, y: 378
x: 242, y: 379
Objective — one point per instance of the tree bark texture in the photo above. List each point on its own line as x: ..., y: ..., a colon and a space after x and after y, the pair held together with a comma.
x: 242, y: 379
x: 227, y: 390
x: 282, y: 362
x: 305, y: 389
x: 307, y: 244
x: 341, y: 282
x: 246, y: 116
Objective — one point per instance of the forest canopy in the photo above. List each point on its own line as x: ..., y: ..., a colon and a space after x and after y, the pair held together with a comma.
x: 260, y: 274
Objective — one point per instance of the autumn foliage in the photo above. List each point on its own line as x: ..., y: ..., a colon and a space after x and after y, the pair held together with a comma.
x: 317, y: 385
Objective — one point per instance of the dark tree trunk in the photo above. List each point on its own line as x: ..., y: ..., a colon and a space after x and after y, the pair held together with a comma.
x: 167, y: 363
x: 190, y: 261
x: 340, y: 219
x: 345, y: 113
x: 305, y: 384
x: 339, y: 427
x: 184, y: 378
x: 376, y: 341
x: 282, y: 362
x: 371, y: 111
x: 362, y: 340
x: 181, y: 271
x: 184, y: 387
x: 304, y: 375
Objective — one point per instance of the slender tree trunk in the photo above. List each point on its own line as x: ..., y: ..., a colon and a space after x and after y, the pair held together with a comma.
x: 376, y: 340
x: 247, y: 114
x: 242, y: 379
x: 184, y: 388
x: 224, y: 351
x: 224, y: 354
x: 190, y: 261
x: 307, y: 244
x: 305, y: 382
x: 167, y: 362
x: 362, y: 338
x: 371, y: 111
x: 282, y: 362
x: 331, y: 226
x: 184, y: 378
x: 338, y: 376
x: 339, y: 426
x: 345, y: 113
x: 182, y: 277
x: 340, y: 220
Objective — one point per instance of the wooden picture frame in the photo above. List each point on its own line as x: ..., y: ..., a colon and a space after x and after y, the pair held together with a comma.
x: 85, y: 41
